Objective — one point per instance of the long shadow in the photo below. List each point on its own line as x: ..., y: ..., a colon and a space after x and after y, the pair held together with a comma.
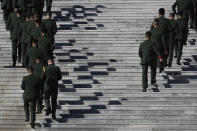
x: 179, y: 77
x: 80, y: 14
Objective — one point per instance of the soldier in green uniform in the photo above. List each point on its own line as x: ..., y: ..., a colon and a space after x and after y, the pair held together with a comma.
x: 14, y: 29
x: 38, y: 71
x: 181, y: 30
x: 31, y: 87
x: 12, y: 17
x: 6, y: 6
x: 33, y: 53
x: 48, y: 5
x: 186, y: 7
x: 51, y: 28
x: 36, y: 31
x: 164, y: 27
x: 148, y: 54
x: 172, y: 41
x: 22, y: 39
x: 45, y: 44
x: 52, y: 76
x: 30, y: 26
x: 159, y: 41
x: 23, y: 7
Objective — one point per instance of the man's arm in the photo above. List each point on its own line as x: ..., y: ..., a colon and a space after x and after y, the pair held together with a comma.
x: 23, y: 84
x: 174, y: 7
x: 140, y: 52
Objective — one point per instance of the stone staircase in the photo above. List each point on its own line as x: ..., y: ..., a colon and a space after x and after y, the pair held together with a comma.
x: 96, y: 47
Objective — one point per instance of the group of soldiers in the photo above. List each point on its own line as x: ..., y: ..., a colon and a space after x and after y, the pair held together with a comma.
x: 166, y: 39
x: 32, y: 45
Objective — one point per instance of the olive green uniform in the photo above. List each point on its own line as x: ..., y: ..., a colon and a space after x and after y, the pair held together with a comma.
x: 52, y: 76
x: 31, y: 87
x: 159, y: 41
x: 14, y: 29
x: 164, y: 27
x: 14, y: 3
x: 172, y: 41
x: 148, y: 54
x: 45, y: 45
x: 30, y: 26
x: 32, y: 54
x: 186, y: 7
x: 23, y: 7
x: 38, y: 71
x: 51, y: 28
x: 181, y: 30
x: 23, y: 40
x: 12, y: 17
x: 6, y: 6
x: 35, y: 33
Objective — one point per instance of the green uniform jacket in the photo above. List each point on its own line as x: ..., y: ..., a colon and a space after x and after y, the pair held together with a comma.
x: 35, y: 33
x: 172, y: 33
x: 38, y: 70
x: 12, y: 17
x: 30, y: 26
x: 45, y: 45
x: 32, y: 54
x: 14, y: 3
x: 22, y: 5
x: 164, y: 25
x: 31, y: 86
x: 181, y: 30
x: 6, y: 4
x: 51, y: 27
x: 52, y: 76
x: 15, y: 27
x: 158, y: 40
x: 148, y: 53
x: 185, y: 6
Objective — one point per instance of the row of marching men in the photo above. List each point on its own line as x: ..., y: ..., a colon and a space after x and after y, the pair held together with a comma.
x: 33, y: 43
x: 164, y: 41
x: 27, y: 7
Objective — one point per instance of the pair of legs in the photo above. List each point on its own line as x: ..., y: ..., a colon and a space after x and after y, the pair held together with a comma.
x: 145, y: 75
x: 30, y: 103
x: 51, y: 105
x: 16, y: 48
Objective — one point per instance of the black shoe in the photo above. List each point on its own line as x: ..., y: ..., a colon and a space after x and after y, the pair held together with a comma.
x: 144, y: 90
x: 39, y: 112
x: 178, y: 63
x: 169, y: 65
x: 161, y: 70
x: 153, y: 82
x: 14, y: 64
x: 32, y: 125
x: 19, y: 60
x: 53, y: 116
x: 48, y: 113
x: 175, y: 56
x: 27, y: 120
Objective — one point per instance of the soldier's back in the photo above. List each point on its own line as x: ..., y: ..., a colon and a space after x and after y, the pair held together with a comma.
x: 34, y: 53
x: 38, y: 69
x: 181, y: 29
x: 32, y: 87
x: 147, y: 52
x: 156, y: 38
x: 50, y: 26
